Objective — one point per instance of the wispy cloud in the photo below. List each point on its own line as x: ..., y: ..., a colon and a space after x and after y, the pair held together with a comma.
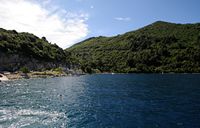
x: 45, y: 2
x: 123, y: 18
x: 57, y: 25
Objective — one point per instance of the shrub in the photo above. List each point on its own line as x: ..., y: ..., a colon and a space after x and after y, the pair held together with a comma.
x: 24, y: 70
x: 59, y: 69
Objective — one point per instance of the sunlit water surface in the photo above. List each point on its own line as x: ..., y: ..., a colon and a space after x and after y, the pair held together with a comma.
x: 127, y: 101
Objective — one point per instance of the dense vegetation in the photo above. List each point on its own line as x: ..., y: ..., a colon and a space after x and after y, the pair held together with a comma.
x: 12, y: 42
x: 27, y: 45
x: 159, y: 47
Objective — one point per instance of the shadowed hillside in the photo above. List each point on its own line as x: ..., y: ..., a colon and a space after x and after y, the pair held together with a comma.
x: 26, y: 50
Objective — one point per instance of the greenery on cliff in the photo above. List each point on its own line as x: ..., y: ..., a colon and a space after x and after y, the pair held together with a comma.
x: 27, y: 45
x: 159, y: 47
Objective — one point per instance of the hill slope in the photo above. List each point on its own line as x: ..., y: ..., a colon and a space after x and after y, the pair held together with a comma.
x: 25, y: 49
x: 159, y: 47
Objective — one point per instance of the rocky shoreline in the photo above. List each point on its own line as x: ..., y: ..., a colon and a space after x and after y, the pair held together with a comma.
x: 5, y: 76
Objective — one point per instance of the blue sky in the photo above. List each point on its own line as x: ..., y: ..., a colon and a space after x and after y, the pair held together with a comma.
x: 134, y: 14
x: 66, y: 22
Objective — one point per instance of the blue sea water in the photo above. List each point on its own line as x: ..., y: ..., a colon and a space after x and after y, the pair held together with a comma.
x: 102, y: 101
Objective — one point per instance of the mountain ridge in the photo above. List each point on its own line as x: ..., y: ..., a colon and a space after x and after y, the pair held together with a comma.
x: 158, y: 47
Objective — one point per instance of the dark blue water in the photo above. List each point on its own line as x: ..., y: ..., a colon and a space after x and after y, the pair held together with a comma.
x: 102, y: 101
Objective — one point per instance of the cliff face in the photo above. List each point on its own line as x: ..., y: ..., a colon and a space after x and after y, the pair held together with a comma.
x: 27, y: 50
x: 13, y: 62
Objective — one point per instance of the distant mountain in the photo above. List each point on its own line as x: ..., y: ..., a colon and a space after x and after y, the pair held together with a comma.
x: 158, y: 47
x: 27, y: 50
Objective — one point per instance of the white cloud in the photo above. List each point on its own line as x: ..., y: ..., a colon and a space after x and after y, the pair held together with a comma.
x: 57, y: 25
x: 46, y: 2
x: 123, y: 18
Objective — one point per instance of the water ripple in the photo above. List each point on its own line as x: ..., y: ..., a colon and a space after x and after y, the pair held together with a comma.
x: 26, y: 117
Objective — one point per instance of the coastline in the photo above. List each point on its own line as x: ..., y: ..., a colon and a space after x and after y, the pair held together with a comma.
x: 36, y: 74
x: 6, y: 76
x: 113, y: 73
x: 3, y: 77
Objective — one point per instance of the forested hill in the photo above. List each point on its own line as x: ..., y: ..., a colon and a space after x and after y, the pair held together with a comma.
x: 158, y: 47
x: 24, y: 49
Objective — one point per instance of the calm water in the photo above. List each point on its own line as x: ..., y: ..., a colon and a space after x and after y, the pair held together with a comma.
x: 121, y: 101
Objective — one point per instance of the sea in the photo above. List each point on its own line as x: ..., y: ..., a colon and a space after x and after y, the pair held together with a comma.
x: 102, y: 101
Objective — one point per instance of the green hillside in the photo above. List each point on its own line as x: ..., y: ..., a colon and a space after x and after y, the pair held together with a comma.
x: 159, y: 47
x: 25, y: 49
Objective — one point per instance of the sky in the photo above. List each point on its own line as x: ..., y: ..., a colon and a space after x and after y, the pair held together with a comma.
x: 66, y: 22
